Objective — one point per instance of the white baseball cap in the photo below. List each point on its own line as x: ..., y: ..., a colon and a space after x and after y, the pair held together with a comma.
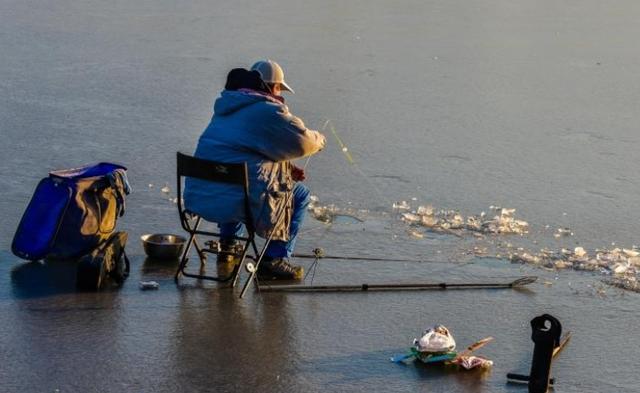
x: 271, y: 72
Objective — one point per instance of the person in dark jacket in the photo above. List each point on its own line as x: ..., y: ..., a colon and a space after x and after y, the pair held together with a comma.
x: 252, y: 124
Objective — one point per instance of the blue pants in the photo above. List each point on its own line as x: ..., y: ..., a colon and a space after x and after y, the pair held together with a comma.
x: 278, y: 248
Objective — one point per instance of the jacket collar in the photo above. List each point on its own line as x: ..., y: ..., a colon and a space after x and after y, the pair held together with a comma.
x: 269, y: 97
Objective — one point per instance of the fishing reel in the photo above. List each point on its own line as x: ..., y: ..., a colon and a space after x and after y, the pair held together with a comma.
x: 250, y: 267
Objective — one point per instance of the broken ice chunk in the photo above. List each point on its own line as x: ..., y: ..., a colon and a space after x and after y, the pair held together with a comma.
x: 402, y: 205
x: 526, y: 258
x: 429, y: 221
x: 507, y: 212
x: 635, y: 261
x: 410, y: 217
x: 579, y: 252
x: 620, y: 268
x: 560, y: 264
x: 425, y: 210
x: 415, y: 233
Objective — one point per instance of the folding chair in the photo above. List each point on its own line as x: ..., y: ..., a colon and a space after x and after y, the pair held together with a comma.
x: 212, y: 171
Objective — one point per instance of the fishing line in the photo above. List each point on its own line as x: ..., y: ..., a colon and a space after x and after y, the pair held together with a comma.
x: 356, y: 167
x: 314, y: 265
x: 343, y: 147
x: 318, y: 253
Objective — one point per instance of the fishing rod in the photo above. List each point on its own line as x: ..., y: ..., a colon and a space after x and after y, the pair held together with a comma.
x: 345, y: 150
x: 517, y: 283
x: 318, y: 253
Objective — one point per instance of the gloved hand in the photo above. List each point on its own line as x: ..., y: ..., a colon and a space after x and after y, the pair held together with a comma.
x: 297, y: 174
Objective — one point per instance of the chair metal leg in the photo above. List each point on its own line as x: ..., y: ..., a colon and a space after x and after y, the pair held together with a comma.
x: 254, y: 273
x: 187, y: 249
x: 184, y: 258
x: 233, y: 277
x: 201, y: 255
x: 243, y: 258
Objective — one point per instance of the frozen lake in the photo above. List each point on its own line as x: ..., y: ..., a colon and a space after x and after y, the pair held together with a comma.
x: 461, y: 105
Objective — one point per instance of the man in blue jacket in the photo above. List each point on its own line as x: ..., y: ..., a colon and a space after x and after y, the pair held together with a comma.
x: 254, y: 125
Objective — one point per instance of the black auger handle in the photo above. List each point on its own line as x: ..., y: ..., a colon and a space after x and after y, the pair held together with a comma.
x: 546, y: 331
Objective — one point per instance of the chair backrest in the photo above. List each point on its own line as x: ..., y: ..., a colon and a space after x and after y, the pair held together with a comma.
x: 198, y: 168
x: 212, y: 171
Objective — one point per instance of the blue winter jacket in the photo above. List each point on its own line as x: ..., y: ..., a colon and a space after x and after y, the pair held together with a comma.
x: 257, y: 129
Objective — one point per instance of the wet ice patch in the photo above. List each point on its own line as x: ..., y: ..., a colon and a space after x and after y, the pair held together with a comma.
x: 331, y: 213
x: 488, y: 234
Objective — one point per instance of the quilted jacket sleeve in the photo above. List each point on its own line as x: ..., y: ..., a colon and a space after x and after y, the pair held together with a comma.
x: 284, y: 136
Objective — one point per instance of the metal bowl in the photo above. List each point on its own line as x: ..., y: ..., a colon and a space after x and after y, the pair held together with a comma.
x: 162, y: 245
